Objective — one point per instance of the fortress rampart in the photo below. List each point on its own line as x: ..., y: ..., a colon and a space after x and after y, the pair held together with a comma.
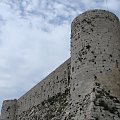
x: 86, y: 86
x: 55, y: 83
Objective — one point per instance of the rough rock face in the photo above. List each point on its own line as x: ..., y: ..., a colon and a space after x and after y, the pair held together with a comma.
x: 105, y: 105
x: 99, y: 104
x: 53, y: 108
x: 86, y: 86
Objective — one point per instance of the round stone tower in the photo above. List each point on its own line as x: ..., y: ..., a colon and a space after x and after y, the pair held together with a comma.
x: 95, y: 54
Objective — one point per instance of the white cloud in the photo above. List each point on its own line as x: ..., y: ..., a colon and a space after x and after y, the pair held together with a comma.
x: 112, y: 4
x: 27, y: 55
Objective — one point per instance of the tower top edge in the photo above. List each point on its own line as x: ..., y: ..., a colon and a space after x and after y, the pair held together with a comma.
x: 6, y: 101
x: 94, y: 13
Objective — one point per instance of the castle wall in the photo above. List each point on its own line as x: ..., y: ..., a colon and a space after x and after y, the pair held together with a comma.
x: 86, y: 86
x: 95, y: 57
x: 56, y: 82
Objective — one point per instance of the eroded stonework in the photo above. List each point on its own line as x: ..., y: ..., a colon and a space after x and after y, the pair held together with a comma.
x: 87, y: 85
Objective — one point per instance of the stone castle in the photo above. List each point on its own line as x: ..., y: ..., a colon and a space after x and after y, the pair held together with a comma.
x: 84, y: 87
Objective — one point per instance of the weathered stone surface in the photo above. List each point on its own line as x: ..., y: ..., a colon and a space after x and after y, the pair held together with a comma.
x: 86, y: 86
x: 95, y: 57
x: 8, y: 109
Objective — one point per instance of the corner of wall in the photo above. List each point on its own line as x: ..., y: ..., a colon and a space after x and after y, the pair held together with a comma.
x: 8, y: 110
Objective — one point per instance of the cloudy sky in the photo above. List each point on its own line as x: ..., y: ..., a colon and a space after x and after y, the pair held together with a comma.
x: 35, y: 39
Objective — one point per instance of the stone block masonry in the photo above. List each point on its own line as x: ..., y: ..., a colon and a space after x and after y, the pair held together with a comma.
x: 87, y: 85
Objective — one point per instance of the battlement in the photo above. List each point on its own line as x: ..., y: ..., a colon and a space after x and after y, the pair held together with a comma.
x: 87, y: 85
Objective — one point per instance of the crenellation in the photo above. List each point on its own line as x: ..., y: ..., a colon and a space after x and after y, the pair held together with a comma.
x: 87, y: 85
